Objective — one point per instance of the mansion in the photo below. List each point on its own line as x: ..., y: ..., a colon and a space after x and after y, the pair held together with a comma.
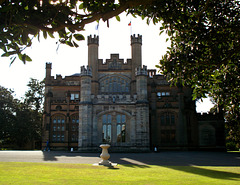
x: 124, y: 104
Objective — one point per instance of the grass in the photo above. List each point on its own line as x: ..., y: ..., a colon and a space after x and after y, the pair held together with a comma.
x: 52, y: 173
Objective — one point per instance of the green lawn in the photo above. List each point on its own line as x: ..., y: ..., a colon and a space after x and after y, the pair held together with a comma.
x: 49, y: 173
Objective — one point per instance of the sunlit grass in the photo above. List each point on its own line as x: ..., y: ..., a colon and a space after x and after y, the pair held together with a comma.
x: 49, y: 173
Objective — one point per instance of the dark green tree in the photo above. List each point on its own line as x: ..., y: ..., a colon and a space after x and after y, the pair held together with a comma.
x: 8, y: 107
x: 34, y: 107
x: 20, y: 122
x: 35, y: 94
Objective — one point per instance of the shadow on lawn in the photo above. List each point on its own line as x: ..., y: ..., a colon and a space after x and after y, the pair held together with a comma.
x: 189, y: 162
x: 207, y: 172
x: 49, y: 156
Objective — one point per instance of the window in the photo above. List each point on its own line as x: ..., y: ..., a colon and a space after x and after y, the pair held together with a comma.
x: 167, y: 123
x: 74, y: 96
x: 114, y: 84
x: 167, y: 118
x: 121, y: 128
x: 162, y: 94
x: 106, y: 133
x: 58, y: 128
x: 73, y: 127
x: 110, y: 122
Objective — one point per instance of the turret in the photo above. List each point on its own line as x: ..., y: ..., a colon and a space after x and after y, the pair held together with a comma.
x: 86, y: 76
x: 142, y: 108
x: 48, y: 71
x: 93, y: 43
x: 136, y: 45
x: 85, y: 109
x: 141, y: 84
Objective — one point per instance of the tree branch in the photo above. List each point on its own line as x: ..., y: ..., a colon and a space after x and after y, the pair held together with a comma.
x: 96, y: 16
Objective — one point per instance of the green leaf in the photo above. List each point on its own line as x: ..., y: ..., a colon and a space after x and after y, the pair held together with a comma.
x: 81, y: 6
x: 75, y: 44
x: 28, y: 58
x: 45, y: 34
x: 24, y: 37
x: 20, y: 56
x: 51, y: 34
x: 79, y: 37
x: 69, y: 43
x: 118, y: 18
x: 13, y: 60
x: 5, y: 54
x: 169, y: 33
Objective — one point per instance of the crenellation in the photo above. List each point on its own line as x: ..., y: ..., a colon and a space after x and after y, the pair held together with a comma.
x: 151, y: 72
x: 86, y: 71
x: 141, y: 70
x: 136, y: 39
x: 93, y: 40
x: 114, y: 63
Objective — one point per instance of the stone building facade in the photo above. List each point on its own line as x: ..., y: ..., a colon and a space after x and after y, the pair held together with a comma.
x: 124, y: 104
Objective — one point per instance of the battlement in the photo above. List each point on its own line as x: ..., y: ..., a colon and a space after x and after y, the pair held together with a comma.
x: 141, y: 71
x: 86, y: 71
x: 136, y: 39
x: 151, y: 72
x: 93, y: 40
x: 48, y: 65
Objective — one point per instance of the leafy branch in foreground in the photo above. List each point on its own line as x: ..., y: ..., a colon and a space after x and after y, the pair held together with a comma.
x: 22, y: 20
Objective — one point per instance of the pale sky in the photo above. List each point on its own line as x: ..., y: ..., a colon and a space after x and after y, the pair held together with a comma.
x: 67, y: 61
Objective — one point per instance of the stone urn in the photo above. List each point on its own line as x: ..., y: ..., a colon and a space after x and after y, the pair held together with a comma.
x: 105, y: 155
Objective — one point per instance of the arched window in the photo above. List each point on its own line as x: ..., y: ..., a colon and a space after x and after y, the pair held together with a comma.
x: 121, y: 128
x: 115, y: 84
x: 112, y: 121
x: 107, y: 128
x: 58, y: 128
x: 73, y: 128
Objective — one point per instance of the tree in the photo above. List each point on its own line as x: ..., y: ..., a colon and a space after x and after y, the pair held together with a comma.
x: 35, y: 94
x: 204, y: 52
x: 33, y: 108
x: 20, y: 122
x: 8, y: 107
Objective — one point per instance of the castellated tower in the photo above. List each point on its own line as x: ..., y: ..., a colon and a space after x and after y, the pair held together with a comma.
x: 85, y: 109
x: 47, y: 104
x: 136, y: 46
x: 48, y: 71
x: 93, y: 43
x: 142, y: 108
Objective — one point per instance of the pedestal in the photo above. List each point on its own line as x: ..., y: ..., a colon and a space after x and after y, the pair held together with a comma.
x: 105, y: 156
